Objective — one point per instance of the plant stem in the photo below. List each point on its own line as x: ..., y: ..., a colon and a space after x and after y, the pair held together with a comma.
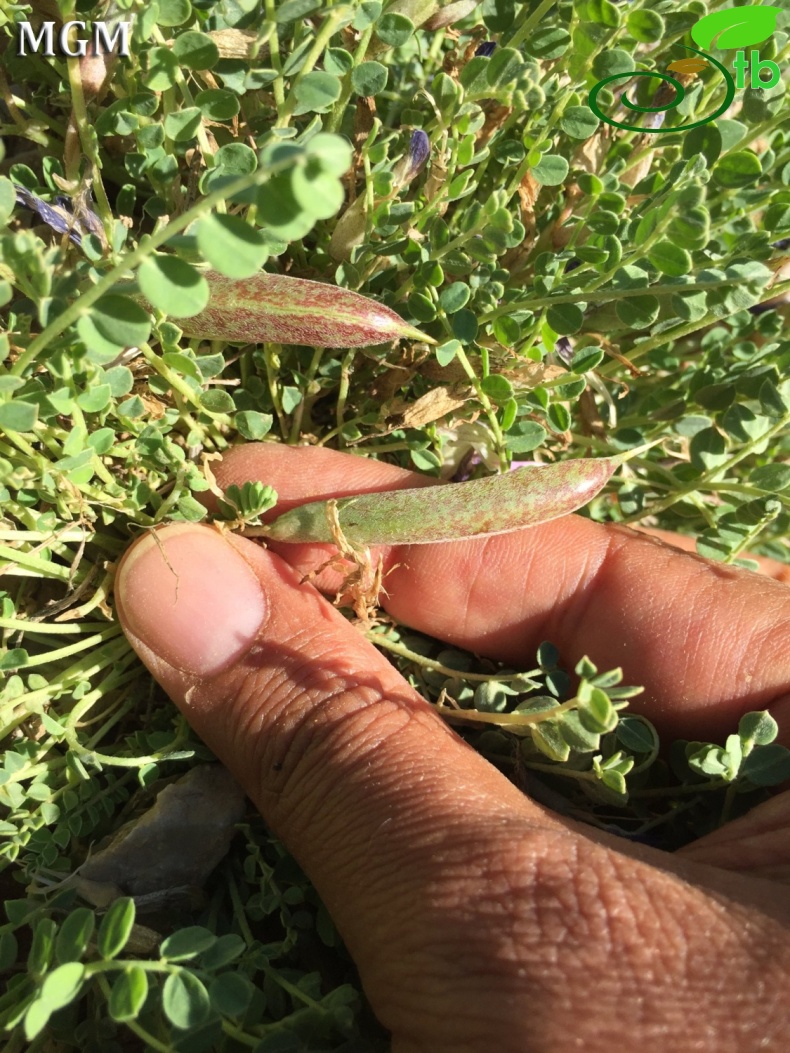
x: 328, y: 29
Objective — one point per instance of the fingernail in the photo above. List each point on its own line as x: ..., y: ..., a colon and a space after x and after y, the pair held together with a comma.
x: 187, y: 594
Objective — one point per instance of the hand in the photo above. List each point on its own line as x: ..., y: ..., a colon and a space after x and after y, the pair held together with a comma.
x: 478, y: 919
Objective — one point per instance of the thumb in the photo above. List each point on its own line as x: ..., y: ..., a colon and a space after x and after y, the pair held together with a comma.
x: 454, y: 892
x: 369, y: 789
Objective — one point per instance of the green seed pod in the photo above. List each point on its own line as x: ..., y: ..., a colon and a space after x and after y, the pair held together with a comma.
x: 495, y: 505
x: 286, y: 310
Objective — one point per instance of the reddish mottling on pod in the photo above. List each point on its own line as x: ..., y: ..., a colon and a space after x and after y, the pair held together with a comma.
x: 280, y: 309
x: 95, y: 70
x: 494, y: 505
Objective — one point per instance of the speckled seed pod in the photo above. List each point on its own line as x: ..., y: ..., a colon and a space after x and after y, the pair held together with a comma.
x: 285, y: 310
x: 495, y: 505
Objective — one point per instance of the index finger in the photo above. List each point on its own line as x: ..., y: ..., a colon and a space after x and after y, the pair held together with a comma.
x: 707, y: 641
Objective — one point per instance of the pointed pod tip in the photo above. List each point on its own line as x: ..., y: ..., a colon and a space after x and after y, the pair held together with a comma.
x: 636, y: 451
x: 410, y: 333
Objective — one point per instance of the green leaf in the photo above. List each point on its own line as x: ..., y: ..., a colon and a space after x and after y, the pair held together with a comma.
x: 497, y: 388
x: 772, y: 402
x: 316, y: 92
x: 525, y: 436
x: 705, y: 140
x: 231, y: 246
x: 578, y: 737
x: 614, y: 780
x: 173, y: 285
x: 548, y: 42
x: 9, y: 947
x: 338, y: 61
x: 597, y: 713
x: 181, y: 125
x: 369, y: 78
x: 601, y: 13
x: 757, y: 729
x: 739, y: 27
x: 18, y: 415
x: 708, y: 449
x: 40, y: 953
x: 320, y: 194
x: 368, y: 12
x: 62, y: 985
x: 294, y: 10
x: 771, y: 477
x: 421, y: 307
x: 185, y: 1000
x: 195, y: 50
x: 447, y: 351
x: 587, y: 358
x: 253, y: 425
x: 559, y: 417
x: 187, y: 943
x: 637, y: 734
x: 225, y: 949
x: 669, y: 258
x: 128, y: 994
x: 645, y: 26
x: 503, y: 68
x: 464, y: 326
x: 36, y: 1018
x: 507, y: 331
x: 173, y: 12
x: 767, y: 765
x: 217, y: 104
x: 708, y: 759
x: 611, y: 61
x: 454, y: 297
x: 75, y: 935
x: 638, y: 312
x: 7, y: 199
x: 565, y: 318
x: 691, y: 229
x: 394, y: 29
x: 95, y: 399
x: 691, y: 307
x: 549, y: 739
x: 551, y: 170
x: 776, y: 217
x: 333, y: 151
x: 116, y: 320
x: 579, y: 122
x: 231, y: 994
x: 116, y: 927
x: 738, y: 169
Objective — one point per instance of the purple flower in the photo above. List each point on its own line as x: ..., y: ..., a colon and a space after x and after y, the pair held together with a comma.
x: 60, y: 216
x: 419, y: 151
x: 486, y: 49
x: 414, y: 161
x: 55, y: 216
x: 563, y: 350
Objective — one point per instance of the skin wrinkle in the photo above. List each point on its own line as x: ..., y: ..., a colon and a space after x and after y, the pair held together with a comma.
x: 481, y: 569
x: 589, y: 582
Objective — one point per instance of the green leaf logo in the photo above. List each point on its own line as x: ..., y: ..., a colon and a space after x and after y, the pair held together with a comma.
x: 738, y: 27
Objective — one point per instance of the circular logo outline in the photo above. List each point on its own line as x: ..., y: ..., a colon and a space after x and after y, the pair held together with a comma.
x: 680, y: 95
